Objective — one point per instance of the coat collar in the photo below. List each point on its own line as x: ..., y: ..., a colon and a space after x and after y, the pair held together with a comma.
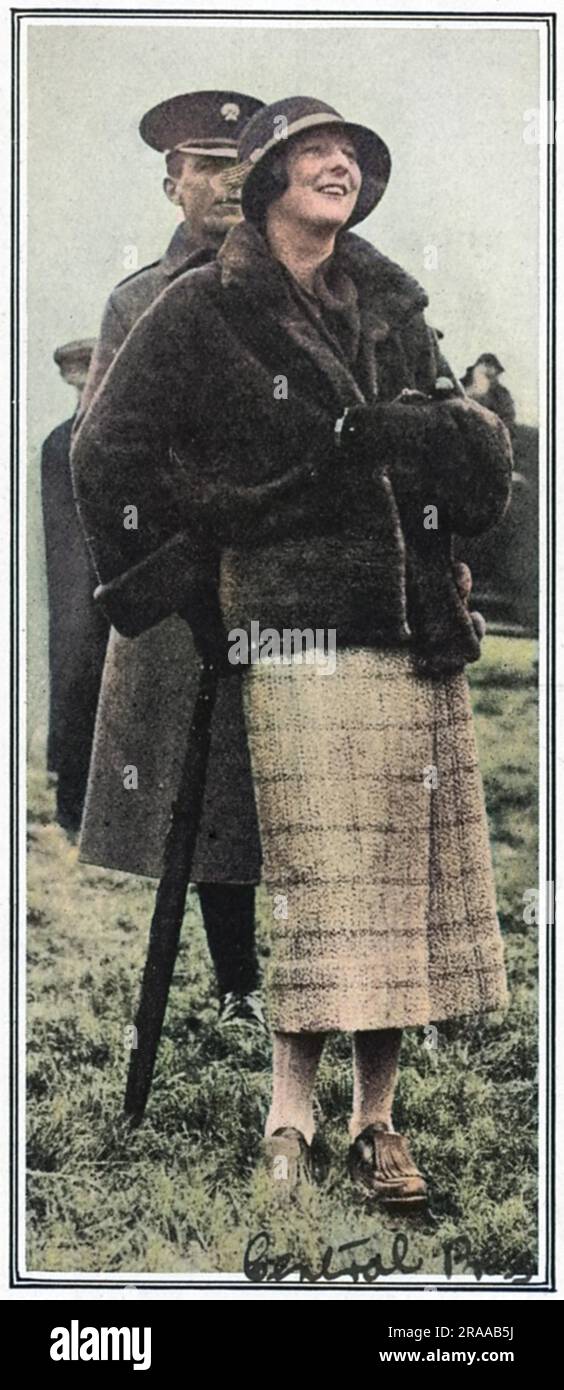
x: 184, y: 252
x: 246, y: 260
x: 386, y: 298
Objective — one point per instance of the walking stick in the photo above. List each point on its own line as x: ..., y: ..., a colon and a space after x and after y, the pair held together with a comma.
x: 171, y: 899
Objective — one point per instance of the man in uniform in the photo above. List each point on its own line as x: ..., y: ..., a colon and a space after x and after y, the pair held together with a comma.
x: 78, y: 631
x: 150, y: 682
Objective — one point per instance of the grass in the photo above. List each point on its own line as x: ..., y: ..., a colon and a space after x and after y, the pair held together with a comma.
x: 183, y: 1193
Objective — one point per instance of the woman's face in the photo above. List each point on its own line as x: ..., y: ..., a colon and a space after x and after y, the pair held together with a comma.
x: 324, y: 178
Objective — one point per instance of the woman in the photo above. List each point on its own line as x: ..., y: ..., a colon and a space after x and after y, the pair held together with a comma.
x: 288, y: 410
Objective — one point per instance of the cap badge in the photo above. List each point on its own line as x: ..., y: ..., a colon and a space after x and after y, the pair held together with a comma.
x: 230, y: 111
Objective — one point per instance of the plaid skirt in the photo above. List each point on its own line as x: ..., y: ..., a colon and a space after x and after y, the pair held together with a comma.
x: 375, y: 845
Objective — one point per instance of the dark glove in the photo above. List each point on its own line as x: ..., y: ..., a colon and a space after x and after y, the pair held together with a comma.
x: 364, y: 427
x: 447, y: 448
x: 472, y: 464
x: 381, y: 436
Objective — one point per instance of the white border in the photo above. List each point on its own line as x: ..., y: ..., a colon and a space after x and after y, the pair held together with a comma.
x: 132, y: 1284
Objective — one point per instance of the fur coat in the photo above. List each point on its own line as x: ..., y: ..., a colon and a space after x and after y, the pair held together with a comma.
x: 216, y: 423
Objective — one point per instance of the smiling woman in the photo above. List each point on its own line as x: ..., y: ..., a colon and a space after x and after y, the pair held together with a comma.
x: 325, y: 167
x: 349, y: 160
x: 323, y: 181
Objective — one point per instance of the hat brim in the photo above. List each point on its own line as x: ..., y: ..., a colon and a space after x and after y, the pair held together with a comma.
x: 75, y: 353
x: 218, y: 150
x: 489, y: 359
x: 373, y: 156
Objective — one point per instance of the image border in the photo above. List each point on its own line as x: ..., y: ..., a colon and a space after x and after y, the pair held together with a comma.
x: 545, y: 1279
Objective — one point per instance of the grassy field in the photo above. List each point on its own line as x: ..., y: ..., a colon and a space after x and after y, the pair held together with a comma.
x: 183, y: 1192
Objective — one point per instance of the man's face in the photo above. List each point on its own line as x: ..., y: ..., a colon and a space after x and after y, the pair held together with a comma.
x: 324, y: 179
x: 209, y: 208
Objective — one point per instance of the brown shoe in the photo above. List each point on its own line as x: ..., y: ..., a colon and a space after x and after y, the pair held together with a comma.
x: 381, y: 1165
x: 287, y: 1157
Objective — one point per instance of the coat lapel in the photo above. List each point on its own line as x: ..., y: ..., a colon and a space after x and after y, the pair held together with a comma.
x: 305, y: 339
x: 387, y: 296
x: 264, y: 314
x: 183, y: 253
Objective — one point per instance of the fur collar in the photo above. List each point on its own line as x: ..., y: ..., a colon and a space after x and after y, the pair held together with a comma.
x: 245, y: 260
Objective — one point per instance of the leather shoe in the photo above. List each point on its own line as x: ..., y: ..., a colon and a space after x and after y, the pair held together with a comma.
x: 381, y: 1166
x: 287, y: 1157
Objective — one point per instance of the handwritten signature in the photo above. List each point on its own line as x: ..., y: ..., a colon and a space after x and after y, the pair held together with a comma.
x: 262, y: 1265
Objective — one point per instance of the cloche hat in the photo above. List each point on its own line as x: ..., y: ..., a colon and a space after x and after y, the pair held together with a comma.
x: 270, y: 127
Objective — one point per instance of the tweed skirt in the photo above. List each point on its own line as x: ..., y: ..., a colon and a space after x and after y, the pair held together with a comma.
x: 375, y: 845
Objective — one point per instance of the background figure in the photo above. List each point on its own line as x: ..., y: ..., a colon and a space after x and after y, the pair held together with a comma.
x: 481, y: 382
x: 197, y: 132
x: 504, y: 562
x: 150, y: 683
x: 78, y: 631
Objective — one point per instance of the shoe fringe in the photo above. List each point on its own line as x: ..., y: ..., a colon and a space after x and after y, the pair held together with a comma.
x: 392, y: 1157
